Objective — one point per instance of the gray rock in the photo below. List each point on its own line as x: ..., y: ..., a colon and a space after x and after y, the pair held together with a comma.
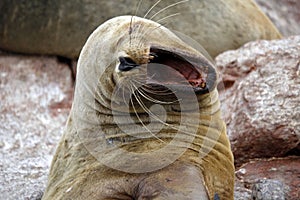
x: 268, y: 189
x: 275, y: 178
x: 37, y: 195
x: 61, y: 27
x: 241, y: 192
x: 261, y: 105
x: 36, y: 94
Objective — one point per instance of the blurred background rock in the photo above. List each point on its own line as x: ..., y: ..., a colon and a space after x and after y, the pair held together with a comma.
x: 60, y: 27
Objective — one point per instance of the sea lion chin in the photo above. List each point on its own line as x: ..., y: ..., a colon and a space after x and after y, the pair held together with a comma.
x: 145, y: 122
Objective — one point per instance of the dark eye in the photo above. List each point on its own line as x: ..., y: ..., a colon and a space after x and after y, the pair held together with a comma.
x: 126, y: 64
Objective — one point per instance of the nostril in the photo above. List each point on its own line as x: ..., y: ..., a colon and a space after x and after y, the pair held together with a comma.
x: 126, y: 64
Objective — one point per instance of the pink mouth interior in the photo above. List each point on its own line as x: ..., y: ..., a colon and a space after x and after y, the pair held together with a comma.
x: 169, y: 68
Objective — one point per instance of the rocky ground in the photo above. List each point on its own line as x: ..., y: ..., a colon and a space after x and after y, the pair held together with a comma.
x: 36, y: 95
x: 260, y: 92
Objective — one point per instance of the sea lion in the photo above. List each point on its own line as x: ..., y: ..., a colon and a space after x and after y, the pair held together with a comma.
x: 145, y: 122
x: 61, y: 27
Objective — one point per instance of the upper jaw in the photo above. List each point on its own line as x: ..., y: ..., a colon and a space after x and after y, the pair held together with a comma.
x: 169, y: 68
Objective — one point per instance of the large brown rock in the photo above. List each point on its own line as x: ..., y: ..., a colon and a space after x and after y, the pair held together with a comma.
x: 274, y: 179
x: 61, y: 27
x: 261, y: 103
x: 285, y: 14
x: 36, y: 94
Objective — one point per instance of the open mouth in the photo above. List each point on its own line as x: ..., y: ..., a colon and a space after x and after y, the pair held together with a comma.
x: 168, y: 68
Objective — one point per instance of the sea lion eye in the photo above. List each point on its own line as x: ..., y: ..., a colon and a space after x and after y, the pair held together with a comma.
x: 126, y: 64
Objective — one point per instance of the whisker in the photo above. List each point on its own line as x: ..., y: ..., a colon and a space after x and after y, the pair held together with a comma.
x: 120, y: 90
x: 148, y: 31
x: 138, y: 7
x: 148, y: 89
x: 138, y: 33
x: 146, y: 109
x: 172, y: 5
x: 159, y: 120
x: 130, y: 30
x: 141, y: 32
x: 135, y: 14
x: 152, y: 8
x: 164, y: 102
x: 155, y: 117
x: 136, y: 113
x: 152, y: 99
x: 124, y: 99
x: 164, y: 18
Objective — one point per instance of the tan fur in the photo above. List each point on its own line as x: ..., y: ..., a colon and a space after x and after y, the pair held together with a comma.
x: 205, y: 166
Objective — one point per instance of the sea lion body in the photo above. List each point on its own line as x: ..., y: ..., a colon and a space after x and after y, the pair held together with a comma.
x: 188, y: 158
x: 62, y: 27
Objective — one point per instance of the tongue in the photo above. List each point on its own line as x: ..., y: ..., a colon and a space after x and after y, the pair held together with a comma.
x: 162, y: 74
x: 174, y: 73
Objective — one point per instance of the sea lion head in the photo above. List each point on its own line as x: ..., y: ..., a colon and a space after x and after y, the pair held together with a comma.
x: 130, y: 68
x: 127, y: 49
x: 148, y: 46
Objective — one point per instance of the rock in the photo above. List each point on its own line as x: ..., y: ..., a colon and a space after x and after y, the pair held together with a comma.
x: 241, y: 192
x: 61, y: 27
x: 285, y: 14
x: 275, y: 178
x: 36, y: 94
x: 261, y: 103
x: 268, y: 189
x: 37, y: 195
